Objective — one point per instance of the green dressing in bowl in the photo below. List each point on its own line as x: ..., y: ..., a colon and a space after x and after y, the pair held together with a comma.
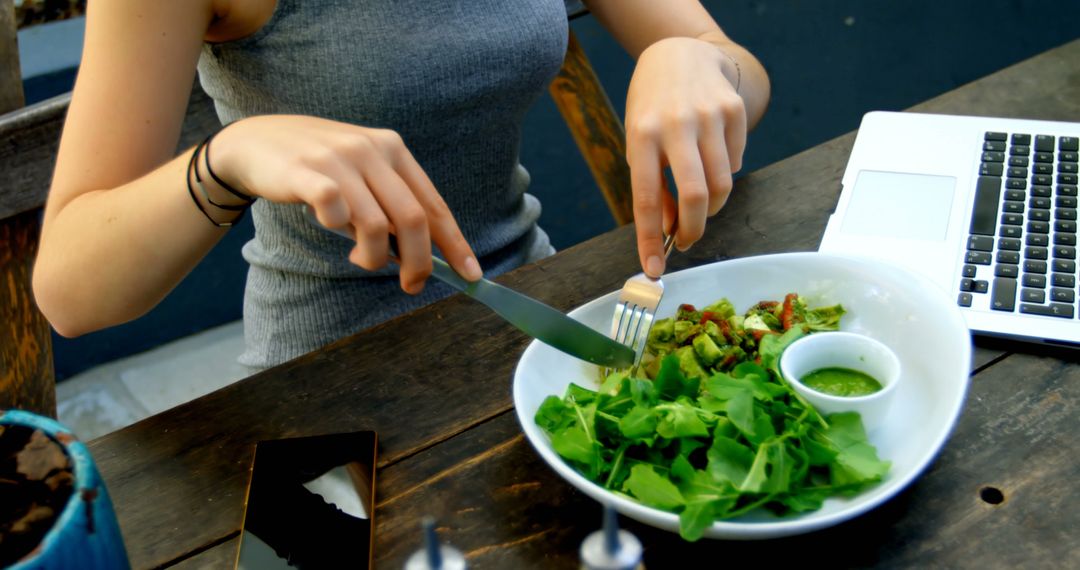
x: 837, y: 381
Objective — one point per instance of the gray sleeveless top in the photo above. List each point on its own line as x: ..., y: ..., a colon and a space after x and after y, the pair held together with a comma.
x: 453, y: 77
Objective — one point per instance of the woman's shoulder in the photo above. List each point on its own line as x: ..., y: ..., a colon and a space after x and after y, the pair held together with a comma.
x: 236, y: 19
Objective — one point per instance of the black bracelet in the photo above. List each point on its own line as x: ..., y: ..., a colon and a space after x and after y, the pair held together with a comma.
x: 191, y: 192
x: 206, y: 158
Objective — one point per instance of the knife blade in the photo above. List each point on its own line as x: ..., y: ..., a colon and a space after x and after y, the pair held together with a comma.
x: 540, y: 321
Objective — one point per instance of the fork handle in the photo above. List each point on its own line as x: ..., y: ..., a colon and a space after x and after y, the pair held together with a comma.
x: 669, y: 239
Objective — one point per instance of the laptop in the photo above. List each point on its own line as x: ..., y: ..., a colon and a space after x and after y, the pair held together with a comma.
x: 986, y: 208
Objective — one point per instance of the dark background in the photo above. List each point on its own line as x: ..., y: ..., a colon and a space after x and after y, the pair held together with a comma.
x: 830, y: 61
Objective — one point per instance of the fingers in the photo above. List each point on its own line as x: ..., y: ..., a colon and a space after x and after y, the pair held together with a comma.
x: 694, y: 192
x: 716, y: 160
x: 443, y: 228
x: 410, y: 223
x: 646, y: 180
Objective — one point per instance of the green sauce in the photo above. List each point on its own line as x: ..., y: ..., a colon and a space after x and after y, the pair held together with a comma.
x: 841, y: 382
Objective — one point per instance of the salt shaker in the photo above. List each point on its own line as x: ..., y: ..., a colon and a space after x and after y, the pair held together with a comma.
x: 611, y: 548
x: 434, y: 556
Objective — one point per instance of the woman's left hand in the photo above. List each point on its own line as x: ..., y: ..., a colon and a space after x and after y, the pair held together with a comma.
x: 682, y: 112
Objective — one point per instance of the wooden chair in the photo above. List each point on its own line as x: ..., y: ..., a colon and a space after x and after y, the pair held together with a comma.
x: 29, y: 137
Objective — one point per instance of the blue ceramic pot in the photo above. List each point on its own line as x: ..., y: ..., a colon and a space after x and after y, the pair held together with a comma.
x: 86, y: 534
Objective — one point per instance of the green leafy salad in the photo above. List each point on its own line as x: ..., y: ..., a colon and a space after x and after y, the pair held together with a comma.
x: 707, y: 428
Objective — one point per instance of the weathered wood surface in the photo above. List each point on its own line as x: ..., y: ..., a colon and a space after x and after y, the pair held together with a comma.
x: 596, y: 129
x: 29, y: 138
x: 27, y: 380
x: 11, y: 92
x: 177, y: 479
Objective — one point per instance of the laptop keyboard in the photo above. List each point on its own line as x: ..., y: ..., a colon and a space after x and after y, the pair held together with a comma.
x: 1022, y: 246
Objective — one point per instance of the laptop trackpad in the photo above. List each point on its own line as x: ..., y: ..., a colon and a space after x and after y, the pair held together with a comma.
x: 906, y: 206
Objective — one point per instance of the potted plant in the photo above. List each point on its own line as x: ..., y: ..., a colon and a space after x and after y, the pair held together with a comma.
x: 54, y: 509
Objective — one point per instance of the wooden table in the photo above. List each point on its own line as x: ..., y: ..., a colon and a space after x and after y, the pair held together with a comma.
x: 436, y: 386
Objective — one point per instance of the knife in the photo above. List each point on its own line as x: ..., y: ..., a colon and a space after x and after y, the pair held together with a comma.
x: 534, y: 318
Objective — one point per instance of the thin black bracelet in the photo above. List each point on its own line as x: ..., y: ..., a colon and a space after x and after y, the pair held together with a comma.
x: 191, y: 192
x: 206, y: 158
x: 198, y: 180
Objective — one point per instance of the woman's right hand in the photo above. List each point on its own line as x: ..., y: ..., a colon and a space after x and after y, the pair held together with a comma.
x: 350, y: 176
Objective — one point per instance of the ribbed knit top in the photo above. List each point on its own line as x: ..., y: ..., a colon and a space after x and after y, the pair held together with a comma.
x: 453, y: 77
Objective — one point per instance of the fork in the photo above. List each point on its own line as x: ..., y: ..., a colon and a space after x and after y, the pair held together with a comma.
x: 636, y: 307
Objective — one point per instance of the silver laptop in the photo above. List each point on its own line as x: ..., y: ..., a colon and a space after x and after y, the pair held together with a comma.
x: 984, y: 207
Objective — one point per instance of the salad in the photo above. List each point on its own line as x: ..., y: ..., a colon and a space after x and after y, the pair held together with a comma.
x: 707, y: 428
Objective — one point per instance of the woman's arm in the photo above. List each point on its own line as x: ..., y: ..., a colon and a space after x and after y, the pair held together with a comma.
x: 693, y: 96
x: 120, y: 227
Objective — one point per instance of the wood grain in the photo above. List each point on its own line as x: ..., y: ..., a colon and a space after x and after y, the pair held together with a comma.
x: 11, y: 91
x: 26, y: 368
x: 596, y: 129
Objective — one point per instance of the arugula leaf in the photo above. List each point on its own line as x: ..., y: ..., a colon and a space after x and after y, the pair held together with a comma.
x: 729, y: 460
x: 740, y: 410
x: 671, y: 382
x: 680, y: 419
x: 638, y: 423
x: 856, y: 461
x: 652, y: 489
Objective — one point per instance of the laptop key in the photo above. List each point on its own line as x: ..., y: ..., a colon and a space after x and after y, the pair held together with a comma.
x: 1064, y: 252
x: 1064, y: 266
x: 1041, y: 168
x: 1066, y: 179
x: 1044, y: 143
x: 996, y: 156
x: 1014, y: 207
x: 1062, y: 238
x: 1064, y: 190
x: 1038, y: 227
x: 994, y: 145
x: 1015, y: 195
x: 984, y: 213
x: 990, y: 169
x: 1012, y: 257
x: 1034, y: 266
x: 1015, y: 184
x: 1062, y: 295
x: 1018, y: 161
x: 1039, y: 157
x: 1004, y: 296
x: 1063, y: 213
x: 964, y: 300
x: 1065, y: 202
x: 981, y: 286
x: 1063, y: 280
x: 1041, y: 191
x: 1051, y: 310
x: 1067, y: 167
x: 1021, y: 139
x: 1034, y: 253
x: 1010, y: 232
x: 969, y: 271
x: 1039, y: 240
x: 1013, y: 219
x: 1042, y: 179
x: 981, y: 243
x: 1067, y: 226
x: 967, y: 284
x: 1035, y: 281
x: 1039, y: 202
x: 1069, y: 143
x: 1018, y: 172
x: 1009, y: 270
x: 995, y: 136
x: 1032, y: 295
x: 1069, y: 156
x: 1039, y: 215
x: 977, y: 258
x: 1009, y: 244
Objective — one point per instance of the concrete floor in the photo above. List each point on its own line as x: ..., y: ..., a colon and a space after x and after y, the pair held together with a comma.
x: 122, y: 392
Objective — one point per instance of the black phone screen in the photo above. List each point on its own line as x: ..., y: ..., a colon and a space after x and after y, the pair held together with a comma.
x: 310, y: 503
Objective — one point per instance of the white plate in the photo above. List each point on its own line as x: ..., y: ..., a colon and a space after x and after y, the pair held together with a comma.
x: 907, y: 312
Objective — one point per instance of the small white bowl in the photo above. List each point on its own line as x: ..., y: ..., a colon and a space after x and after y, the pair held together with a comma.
x: 844, y: 350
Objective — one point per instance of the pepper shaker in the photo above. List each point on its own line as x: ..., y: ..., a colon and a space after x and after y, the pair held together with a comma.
x: 433, y: 555
x: 611, y: 548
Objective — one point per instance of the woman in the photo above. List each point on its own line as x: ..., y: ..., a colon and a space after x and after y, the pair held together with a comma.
x: 382, y: 117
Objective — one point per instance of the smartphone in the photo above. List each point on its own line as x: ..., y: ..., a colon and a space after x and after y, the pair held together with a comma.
x: 310, y: 503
